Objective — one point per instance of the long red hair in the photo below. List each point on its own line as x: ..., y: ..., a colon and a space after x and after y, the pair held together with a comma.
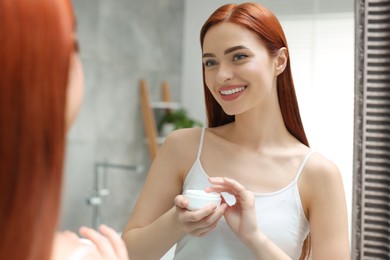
x: 264, y: 23
x: 266, y: 26
x: 36, y: 43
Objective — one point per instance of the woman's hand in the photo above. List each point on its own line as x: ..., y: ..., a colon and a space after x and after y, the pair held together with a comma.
x: 198, y: 222
x: 109, y: 245
x: 241, y: 217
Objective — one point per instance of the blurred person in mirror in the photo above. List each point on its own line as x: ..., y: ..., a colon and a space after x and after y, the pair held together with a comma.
x: 288, y: 201
x: 41, y: 89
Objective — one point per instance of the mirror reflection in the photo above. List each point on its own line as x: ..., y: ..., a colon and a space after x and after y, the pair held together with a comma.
x: 123, y: 42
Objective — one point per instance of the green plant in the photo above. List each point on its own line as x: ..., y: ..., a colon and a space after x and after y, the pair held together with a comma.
x: 179, y: 118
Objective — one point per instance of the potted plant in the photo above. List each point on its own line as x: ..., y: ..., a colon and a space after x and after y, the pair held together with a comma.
x: 175, y: 120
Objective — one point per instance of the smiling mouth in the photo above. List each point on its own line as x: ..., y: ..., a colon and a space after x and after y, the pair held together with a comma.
x: 232, y: 91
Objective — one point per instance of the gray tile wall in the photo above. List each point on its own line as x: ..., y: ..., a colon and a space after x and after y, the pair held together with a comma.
x: 121, y: 41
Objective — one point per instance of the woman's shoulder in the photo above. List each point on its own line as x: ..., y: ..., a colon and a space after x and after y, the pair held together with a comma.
x: 181, y: 146
x: 319, y: 167
x: 321, y: 174
x: 184, y: 136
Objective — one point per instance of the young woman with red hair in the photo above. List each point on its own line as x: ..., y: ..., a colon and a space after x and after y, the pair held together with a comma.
x: 41, y: 85
x: 255, y: 149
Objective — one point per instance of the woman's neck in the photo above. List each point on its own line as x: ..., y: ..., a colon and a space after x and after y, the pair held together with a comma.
x: 261, y: 128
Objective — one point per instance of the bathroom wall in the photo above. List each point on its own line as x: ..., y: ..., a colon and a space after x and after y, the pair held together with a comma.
x: 121, y: 41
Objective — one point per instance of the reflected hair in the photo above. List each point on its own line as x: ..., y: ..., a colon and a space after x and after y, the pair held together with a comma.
x: 265, y: 25
x: 261, y: 21
x: 36, y: 44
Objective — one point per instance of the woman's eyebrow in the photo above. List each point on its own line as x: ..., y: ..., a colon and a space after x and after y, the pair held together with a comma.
x: 205, y: 55
x: 235, y: 48
x: 227, y: 51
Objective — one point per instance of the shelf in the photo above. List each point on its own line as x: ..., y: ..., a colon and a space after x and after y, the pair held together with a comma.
x: 159, y: 140
x: 149, y: 116
x: 164, y: 105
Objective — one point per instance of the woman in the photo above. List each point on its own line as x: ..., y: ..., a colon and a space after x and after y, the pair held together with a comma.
x: 41, y: 83
x: 255, y: 149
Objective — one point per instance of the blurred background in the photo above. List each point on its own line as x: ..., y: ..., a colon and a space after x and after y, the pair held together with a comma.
x: 124, y: 41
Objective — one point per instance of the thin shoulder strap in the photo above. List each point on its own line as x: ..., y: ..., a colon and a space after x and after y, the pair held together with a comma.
x: 201, y: 143
x: 303, y: 165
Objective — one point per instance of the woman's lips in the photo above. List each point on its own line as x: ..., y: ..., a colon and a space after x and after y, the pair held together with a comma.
x: 231, y: 92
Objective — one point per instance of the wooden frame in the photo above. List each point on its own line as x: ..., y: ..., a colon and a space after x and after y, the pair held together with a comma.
x: 149, y: 119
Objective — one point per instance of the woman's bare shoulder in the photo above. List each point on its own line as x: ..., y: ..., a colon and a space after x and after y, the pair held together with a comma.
x: 319, y: 167
x: 180, y: 146
x: 181, y: 138
x: 321, y: 176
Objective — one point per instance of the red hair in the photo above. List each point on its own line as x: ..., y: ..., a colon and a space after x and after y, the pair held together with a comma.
x: 266, y: 26
x: 36, y: 44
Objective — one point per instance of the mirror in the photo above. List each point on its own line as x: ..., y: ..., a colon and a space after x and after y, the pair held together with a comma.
x: 320, y: 35
x: 124, y: 41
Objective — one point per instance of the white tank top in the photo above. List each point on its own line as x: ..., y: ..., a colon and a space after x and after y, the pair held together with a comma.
x: 280, y: 217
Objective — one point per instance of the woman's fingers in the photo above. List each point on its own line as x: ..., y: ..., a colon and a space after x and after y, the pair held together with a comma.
x: 220, y: 188
x: 200, y: 232
x: 102, y: 243
x: 197, y: 215
x: 116, y: 241
x: 70, y: 235
x: 233, y: 187
x: 109, y: 244
x: 227, y: 185
x: 180, y: 201
x: 187, y: 216
x: 199, y: 224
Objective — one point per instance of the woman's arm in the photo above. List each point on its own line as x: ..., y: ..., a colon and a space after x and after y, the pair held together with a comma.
x: 322, y: 191
x: 159, y: 218
x: 153, y: 228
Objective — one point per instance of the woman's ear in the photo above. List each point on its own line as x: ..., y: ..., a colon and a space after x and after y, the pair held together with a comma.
x: 281, y: 60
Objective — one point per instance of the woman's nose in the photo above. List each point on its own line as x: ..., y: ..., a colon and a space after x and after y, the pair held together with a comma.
x: 224, y: 74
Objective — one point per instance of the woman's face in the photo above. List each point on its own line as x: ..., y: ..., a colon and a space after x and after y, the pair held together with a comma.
x: 75, y: 90
x: 239, y: 71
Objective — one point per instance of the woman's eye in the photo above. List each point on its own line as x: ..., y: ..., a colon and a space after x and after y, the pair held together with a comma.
x: 238, y: 57
x: 209, y: 63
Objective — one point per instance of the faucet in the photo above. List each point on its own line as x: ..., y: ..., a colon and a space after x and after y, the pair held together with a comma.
x: 100, y: 189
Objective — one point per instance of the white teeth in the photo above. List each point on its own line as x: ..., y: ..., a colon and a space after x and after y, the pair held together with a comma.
x: 231, y: 91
